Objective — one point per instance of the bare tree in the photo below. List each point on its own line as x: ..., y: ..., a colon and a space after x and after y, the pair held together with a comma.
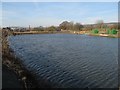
x: 88, y: 27
x: 67, y: 25
x: 51, y: 28
x: 114, y: 26
x: 64, y: 25
x: 78, y: 26
x: 99, y: 23
x: 71, y: 25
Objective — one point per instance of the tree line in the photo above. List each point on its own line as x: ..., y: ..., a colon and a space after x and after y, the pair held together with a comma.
x: 65, y: 25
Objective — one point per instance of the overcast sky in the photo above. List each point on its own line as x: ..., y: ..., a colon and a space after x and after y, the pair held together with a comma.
x: 50, y: 13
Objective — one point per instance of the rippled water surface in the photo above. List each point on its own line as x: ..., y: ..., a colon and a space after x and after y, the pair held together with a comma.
x: 67, y: 60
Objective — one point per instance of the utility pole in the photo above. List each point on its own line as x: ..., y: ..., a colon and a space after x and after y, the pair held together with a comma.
x: 29, y: 27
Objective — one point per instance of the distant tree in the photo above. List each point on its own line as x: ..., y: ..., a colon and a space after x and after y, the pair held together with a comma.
x: 40, y: 28
x: 78, y: 26
x: 51, y: 28
x: 64, y: 25
x: 88, y: 27
x: 113, y: 26
x: 58, y: 28
x: 70, y: 26
x: 105, y: 26
x: 99, y: 23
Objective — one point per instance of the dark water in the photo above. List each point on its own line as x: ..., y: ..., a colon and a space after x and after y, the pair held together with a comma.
x: 67, y: 60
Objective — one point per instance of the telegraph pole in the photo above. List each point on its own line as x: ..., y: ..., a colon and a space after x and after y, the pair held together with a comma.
x: 29, y: 27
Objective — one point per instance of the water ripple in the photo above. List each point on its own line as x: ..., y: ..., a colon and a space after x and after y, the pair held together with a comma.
x: 69, y: 60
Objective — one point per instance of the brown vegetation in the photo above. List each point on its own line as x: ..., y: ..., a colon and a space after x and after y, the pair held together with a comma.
x: 13, y: 63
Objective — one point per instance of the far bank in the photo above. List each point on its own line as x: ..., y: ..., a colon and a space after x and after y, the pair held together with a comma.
x: 102, y: 34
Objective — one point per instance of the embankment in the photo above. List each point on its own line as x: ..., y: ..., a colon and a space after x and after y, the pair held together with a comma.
x: 14, y: 65
x: 67, y: 32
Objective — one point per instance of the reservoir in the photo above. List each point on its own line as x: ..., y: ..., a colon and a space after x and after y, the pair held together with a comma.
x: 69, y: 60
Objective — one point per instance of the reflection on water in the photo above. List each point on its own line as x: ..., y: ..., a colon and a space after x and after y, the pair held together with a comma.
x: 67, y: 60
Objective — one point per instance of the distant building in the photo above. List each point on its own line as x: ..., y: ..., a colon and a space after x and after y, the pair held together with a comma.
x: 19, y: 29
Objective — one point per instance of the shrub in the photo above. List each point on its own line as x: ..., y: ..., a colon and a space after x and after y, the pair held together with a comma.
x: 95, y: 31
x: 114, y: 31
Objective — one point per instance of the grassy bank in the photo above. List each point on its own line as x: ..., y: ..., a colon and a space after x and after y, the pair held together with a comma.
x: 40, y: 32
x: 15, y: 65
x: 68, y: 32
